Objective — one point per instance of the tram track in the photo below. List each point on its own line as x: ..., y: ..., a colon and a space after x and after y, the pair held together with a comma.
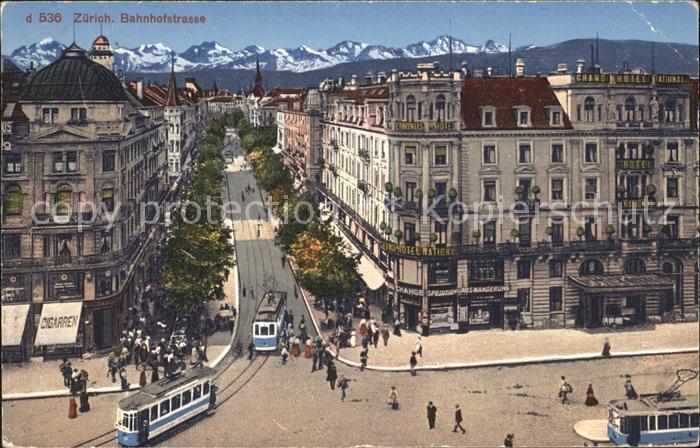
x: 95, y: 441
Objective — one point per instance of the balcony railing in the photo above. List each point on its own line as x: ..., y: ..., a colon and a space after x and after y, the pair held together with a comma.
x: 638, y: 203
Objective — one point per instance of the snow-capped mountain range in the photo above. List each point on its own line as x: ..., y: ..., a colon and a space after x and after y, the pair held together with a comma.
x: 156, y: 58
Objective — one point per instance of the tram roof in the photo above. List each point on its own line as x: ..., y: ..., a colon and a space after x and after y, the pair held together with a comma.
x: 268, y: 310
x: 155, y: 391
x: 649, y: 403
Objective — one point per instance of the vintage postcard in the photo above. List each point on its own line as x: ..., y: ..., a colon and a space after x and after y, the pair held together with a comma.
x: 340, y: 224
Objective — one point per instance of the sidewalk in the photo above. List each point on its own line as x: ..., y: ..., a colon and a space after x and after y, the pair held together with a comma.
x: 496, y: 347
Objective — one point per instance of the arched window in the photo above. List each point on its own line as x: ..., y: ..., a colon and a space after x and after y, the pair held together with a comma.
x: 634, y: 266
x: 672, y: 267
x: 630, y: 106
x: 591, y: 267
x: 63, y: 199
x: 588, y: 106
x: 107, y: 196
x: 411, y: 108
x: 440, y: 108
x: 14, y: 201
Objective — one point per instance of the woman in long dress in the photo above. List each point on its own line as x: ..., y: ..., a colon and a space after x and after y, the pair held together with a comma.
x: 590, y: 397
x: 296, y: 351
x: 308, y: 352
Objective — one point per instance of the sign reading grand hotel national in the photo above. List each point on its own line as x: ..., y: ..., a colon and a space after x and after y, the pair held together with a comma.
x: 419, y: 251
x: 631, y: 78
x: 418, y: 126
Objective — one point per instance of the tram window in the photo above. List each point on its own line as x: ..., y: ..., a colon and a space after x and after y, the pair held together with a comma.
x: 176, y: 402
x: 164, y: 408
x: 684, y: 421
x: 206, y: 388
x: 663, y: 421
x: 652, y: 423
x: 257, y: 329
x: 186, y: 397
x: 197, y: 391
x: 154, y: 413
x: 624, y: 425
x: 673, y: 421
x: 643, y: 426
x: 263, y: 330
x: 272, y: 329
x: 125, y: 420
x: 694, y: 420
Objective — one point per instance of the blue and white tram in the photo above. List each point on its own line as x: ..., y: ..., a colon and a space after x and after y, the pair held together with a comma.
x: 269, y: 321
x: 654, y: 420
x: 164, y: 404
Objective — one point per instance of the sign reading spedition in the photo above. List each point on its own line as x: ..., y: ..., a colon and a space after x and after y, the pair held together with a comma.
x: 419, y: 251
x: 631, y: 78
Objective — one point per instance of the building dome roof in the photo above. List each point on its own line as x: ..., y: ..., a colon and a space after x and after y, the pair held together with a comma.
x: 74, y: 77
x: 100, y: 40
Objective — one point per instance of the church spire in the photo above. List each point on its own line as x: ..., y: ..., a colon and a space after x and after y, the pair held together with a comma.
x: 258, y: 89
x: 171, y: 100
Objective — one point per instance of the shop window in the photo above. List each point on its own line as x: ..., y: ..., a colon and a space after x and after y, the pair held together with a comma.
x: 14, y: 201
x: 524, y: 269
x: 489, y: 155
x: 555, y: 298
x: 524, y: 299
x: 556, y: 268
x: 12, y: 163
x: 557, y: 153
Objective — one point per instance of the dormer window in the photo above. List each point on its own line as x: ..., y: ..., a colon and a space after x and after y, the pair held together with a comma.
x: 555, y: 117
x: 488, y: 117
x: 523, y: 118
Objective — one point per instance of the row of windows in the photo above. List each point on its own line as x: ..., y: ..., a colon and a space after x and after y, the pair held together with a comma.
x: 661, y: 422
x: 50, y: 115
x: 165, y: 407
x: 671, y: 111
x: 522, y: 117
x: 62, y: 199
x: 439, y: 155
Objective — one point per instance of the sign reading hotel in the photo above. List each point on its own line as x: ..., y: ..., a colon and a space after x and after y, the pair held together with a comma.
x: 419, y: 251
x: 418, y: 126
x: 630, y: 78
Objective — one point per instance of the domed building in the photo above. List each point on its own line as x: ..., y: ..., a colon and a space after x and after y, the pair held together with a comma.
x: 77, y: 248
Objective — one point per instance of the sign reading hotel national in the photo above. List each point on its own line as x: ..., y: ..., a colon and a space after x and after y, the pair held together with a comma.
x: 631, y: 78
x: 419, y: 251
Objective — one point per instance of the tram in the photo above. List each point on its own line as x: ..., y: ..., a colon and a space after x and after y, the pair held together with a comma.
x: 165, y: 404
x: 269, y: 321
x: 666, y: 418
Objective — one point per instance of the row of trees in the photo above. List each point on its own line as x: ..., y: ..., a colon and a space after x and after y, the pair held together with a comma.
x: 199, y: 252
x: 324, y: 268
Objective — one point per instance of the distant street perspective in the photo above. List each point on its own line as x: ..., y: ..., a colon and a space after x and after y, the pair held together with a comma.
x: 440, y: 243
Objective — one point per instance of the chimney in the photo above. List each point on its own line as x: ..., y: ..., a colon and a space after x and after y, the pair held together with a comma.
x: 489, y: 71
x: 139, y: 89
x: 381, y: 77
x: 520, y: 67
x: 394, y: 75
x: 368, y: 78
x: 341, y: 82
x: 31, y: 68
x: 562, y: 68
x: 353, y: 81
x: 465, y: 69
x: 626, y: 66
x: 580, y: 64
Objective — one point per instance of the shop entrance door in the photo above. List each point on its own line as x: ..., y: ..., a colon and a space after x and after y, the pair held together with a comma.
x: 104, y: 328
x: 496, y: 315
x: 411, y: 317
x: 593, y: 315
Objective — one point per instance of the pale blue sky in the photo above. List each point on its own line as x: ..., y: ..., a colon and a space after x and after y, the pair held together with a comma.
x: 323, y: 24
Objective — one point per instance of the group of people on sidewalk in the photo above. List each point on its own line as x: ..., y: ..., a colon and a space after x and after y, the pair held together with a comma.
x: 77, y: 382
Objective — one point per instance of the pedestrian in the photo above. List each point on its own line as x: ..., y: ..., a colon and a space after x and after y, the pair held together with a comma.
x: 343, y: 385
x: 385, y: 335
x: 432, y: 414
x: 322, y: 354
x: 315, y: 354
x: 629, y: 389
x: 394, y: 398
x: 564, y: 390
x: 203, y: 352
x: 397, y: 327
x: 252, y: 294
x: 363, y: 359
x: 122, y: 377
x: 112, y: 367
x: 296, y: 347
x: 84, y: 402
x: 332, y: 375
x: 194, y: 358
x: 419, y: 347
x: 244, y: 291
x: 154, y: 374
x: 413, y: 361
x: 251, y: 347
x: 143, y: 432
x: 231, y: 324
x: 283, y: 260
x: 285, y: 355
x: 508, y: 442
x: 606, y: 348
x: 458, y: 419
x: 66, y: 370
x: 296, y: 294
x: 353, y: 338
x: 590, y: 397
x: 308, y: 350
x: 375, y: 335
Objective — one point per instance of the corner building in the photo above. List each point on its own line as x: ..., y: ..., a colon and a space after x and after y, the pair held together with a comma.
x: 539, y: 233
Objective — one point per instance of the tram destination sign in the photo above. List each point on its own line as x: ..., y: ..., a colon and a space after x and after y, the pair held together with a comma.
x: 630, y: 78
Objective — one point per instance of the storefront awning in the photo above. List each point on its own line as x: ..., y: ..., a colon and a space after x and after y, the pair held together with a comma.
x: 350, y: 248
x: 621, y: 283
x: 14, y: 318
x: 370, y: 273
x: 59, y: 323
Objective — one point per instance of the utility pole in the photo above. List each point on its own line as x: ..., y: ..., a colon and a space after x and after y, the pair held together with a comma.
x: 652, y: 57
x: 509, y: 56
